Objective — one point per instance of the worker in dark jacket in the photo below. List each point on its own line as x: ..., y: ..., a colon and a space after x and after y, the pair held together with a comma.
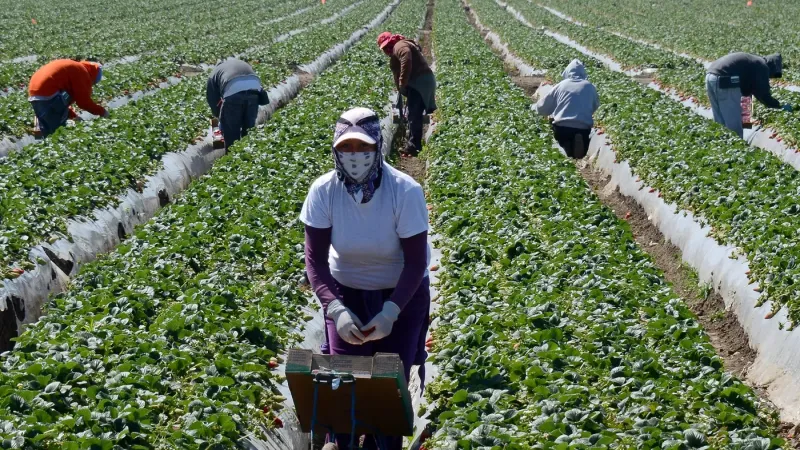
x: 57, y: 85
x: 741, y: 74
x: 234, y: 94
x: 414, y: 79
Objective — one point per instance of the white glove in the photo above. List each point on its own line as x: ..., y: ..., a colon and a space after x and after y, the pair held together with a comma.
x: 347, y: 323
x: 381, y: 325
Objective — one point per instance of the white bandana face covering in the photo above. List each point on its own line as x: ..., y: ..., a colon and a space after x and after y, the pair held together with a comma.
x: 356, y: 164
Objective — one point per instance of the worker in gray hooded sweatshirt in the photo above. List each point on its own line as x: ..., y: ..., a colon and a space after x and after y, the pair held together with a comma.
x: 234, y: 94
x: 741, y: 74
x: 572, y: 102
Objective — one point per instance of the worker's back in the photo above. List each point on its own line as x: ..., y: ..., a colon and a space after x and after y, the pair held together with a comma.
x: 63, y: 75
x: 573, y: 101
x: 411, y: 50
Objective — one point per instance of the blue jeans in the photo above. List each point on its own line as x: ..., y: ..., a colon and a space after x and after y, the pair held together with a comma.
x: 52, y: 113
x: 726, y: 104
x: 237, y: 115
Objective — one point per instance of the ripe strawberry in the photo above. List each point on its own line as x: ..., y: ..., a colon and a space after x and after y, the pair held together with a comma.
x: 277, y: 422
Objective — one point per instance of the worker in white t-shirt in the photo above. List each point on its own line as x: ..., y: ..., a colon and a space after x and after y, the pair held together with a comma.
x: 366, y: 226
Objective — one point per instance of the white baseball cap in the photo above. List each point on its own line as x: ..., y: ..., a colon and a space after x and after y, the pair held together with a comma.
x: 355, y: 132
x: 351, y: 118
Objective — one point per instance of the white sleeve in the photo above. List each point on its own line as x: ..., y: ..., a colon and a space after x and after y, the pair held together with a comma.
x: 412, y: 215
x: 316, y: 207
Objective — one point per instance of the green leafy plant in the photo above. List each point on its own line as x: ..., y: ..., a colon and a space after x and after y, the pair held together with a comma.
x: 171, y: 340
x: 555, y: 330
x: 77, y: 171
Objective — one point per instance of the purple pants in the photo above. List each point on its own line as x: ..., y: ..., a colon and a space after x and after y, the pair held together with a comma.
x: 407, y: 339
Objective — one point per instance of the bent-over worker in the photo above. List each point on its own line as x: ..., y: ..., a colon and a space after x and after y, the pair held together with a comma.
x: 741, y: 74
x: 234, y: 94
x: 572, y: 102
x: 57, y: 85
x: 366, y: 228
x: 414, y: 79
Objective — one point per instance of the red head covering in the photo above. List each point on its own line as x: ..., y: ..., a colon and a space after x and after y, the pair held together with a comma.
x: 386, y: 41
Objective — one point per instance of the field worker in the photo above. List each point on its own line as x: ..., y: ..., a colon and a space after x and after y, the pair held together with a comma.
x: 366, y: 228
x: 414, y: 79
x: 234, y: 94
x: 741, y: 74
x: 57, y: 85
x: 572, y: 102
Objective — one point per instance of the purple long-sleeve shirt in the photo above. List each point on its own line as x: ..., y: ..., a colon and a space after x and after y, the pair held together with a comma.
x: 318, y: 243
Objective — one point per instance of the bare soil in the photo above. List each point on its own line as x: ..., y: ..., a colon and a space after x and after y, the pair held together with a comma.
x: 528, y: 84
x: 305, y: 78
x: 425, y: 35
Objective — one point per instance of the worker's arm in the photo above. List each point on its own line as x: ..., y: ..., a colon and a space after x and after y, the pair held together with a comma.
x: 404, y: 55
x: 415, y: 262
x: 415, y: 259
x: 72, y: 114
x: 547, y: 104
x: 761, y: 90
x: 82, y: 94
x: 213, y: 96
x: 318, y: 244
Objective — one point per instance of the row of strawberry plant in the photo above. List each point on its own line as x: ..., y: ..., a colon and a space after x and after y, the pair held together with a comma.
x: 746, y: 195
x: 77, y: 171
x: 708, y: 29
x: 169, y: 341
x: 684, y: 75
x: 124, y: 38
x: 156, y: 67
x: 119, y: 31
x: 556, y: 331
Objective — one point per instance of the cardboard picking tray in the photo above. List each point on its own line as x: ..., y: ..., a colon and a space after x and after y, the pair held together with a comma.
x: 383, y: 403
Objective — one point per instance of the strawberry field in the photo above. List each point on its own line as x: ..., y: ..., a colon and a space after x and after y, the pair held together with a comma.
x: 554, y: 328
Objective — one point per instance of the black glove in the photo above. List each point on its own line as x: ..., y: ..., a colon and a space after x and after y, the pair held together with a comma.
x: 404, y: 91
x: 263, y: 98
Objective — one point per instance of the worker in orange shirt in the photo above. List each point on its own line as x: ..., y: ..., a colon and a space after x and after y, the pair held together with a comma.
x: 57, y: 85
